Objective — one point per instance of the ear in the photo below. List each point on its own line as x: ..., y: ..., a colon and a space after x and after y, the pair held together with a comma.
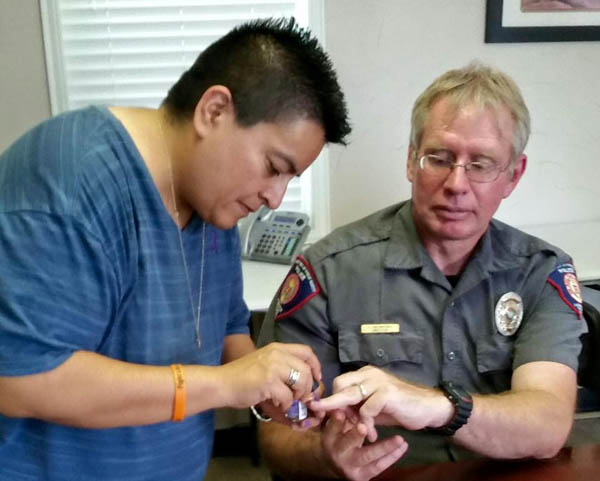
x: 517, y: 172
x: 411, y: 164
x: 215, y: 104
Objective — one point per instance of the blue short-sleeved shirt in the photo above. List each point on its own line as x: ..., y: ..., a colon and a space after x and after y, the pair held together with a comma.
x: 91, y: 260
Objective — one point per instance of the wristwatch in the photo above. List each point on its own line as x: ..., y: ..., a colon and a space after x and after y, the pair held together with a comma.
x: 463, y: 405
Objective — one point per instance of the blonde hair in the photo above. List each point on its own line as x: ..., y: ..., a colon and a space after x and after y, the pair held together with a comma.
x: 476, y: 84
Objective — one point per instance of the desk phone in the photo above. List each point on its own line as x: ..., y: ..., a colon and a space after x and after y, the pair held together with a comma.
x: 273, y: 236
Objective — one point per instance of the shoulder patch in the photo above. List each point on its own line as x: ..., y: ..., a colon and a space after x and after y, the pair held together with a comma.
x: 297, y: 289
x: 564, y: 279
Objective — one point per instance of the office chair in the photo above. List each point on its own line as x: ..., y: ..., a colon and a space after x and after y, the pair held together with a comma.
x: 588, y: 375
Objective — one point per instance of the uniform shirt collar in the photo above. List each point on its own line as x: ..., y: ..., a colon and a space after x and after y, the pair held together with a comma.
x: 496, y: 250
x: 404, y: 250
x: 499, y: 249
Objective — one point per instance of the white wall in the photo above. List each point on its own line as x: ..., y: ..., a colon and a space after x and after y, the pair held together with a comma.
x: 388, y: 51
x: 23, y: 85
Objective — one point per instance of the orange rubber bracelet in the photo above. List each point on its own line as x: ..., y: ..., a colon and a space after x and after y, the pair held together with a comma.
x: 179, y: 400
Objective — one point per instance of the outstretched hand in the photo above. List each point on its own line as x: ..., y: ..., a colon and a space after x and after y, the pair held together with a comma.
x: 343, y: 444
x: 381, y: 398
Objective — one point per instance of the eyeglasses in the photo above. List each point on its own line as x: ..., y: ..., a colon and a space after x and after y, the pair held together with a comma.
x: 484, y: 170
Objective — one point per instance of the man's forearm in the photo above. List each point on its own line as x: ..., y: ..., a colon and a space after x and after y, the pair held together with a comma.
x: 533, y: 419
x: 296, y: 455
x: 92, y: 391
x: 516, y: 425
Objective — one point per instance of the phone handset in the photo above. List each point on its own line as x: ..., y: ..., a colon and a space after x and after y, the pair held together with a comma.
x: 246, y: 227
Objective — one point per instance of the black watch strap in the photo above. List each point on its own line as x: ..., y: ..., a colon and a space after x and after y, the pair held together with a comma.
x: 463, y: 405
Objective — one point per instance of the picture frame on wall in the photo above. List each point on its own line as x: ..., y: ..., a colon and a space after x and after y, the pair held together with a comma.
x: 542, y: 21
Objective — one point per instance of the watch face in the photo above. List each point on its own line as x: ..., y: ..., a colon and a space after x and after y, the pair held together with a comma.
x: 463, y: 404
x: 457, y: 394
x: 466, y: 398
x: 453, y: 389
x: 462, y: 394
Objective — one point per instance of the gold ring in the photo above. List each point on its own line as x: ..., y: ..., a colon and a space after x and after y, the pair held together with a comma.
x: 363, y: 391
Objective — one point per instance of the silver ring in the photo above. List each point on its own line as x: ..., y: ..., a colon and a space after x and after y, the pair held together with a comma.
x: 363, y: 391
x: 293, y: 377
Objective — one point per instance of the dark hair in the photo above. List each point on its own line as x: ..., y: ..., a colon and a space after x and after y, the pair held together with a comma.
x: 275, y: 71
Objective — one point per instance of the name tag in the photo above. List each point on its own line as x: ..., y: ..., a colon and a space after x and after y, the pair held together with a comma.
x: 379, y: 328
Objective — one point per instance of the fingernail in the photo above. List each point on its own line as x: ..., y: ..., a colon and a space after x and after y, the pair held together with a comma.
x: 316, y: 396
x: 306, y: 423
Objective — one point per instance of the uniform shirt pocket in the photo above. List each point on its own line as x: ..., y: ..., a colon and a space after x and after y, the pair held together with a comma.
x: 495, y: 354
x: 379, y: 349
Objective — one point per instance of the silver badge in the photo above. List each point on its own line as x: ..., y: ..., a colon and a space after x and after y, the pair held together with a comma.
x: 509, y: 313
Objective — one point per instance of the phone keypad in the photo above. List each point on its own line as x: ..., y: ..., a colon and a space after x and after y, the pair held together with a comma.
x: 279, y: 240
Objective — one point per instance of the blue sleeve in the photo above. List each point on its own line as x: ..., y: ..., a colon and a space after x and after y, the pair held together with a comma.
x: 239, y: 315
x: 57, y: 291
